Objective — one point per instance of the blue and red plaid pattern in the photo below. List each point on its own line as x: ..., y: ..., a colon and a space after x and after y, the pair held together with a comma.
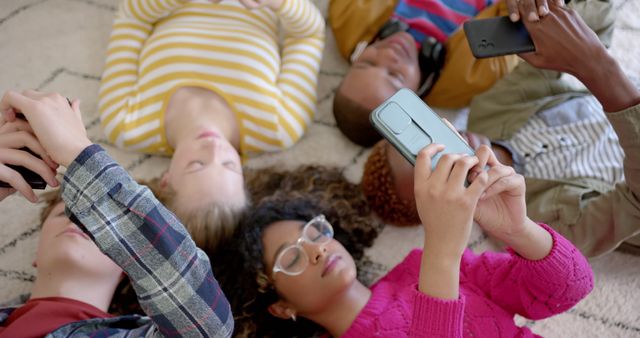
x: 171, y: 276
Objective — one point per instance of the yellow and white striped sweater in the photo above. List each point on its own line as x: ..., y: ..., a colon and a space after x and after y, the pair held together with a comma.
x: 158, y: 46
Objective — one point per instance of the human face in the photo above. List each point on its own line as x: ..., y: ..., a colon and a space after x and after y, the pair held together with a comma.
x: 382, y: 69
x: 331, y: 269
x: 65, y: 249
x: 206, y: 170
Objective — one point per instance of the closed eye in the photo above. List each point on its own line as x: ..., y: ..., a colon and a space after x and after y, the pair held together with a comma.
x: 195, y: 165
x: 397, y: 76
x: 233, y: 166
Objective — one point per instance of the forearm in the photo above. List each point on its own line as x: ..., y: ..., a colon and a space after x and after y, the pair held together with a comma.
x: 534, y: 289
x: 131, y: 227
x: 439, y: 274
x: 300, y: 64
x: 120, y: 74
x: 301, y: 18
x: 148, y: 11
x: 534, y: 243
x: 606, y: 80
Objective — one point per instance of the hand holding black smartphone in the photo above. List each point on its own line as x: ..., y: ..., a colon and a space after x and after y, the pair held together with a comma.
x: 34, y: 180
x: 497, y: 36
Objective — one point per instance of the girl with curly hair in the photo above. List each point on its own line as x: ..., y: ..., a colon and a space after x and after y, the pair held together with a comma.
x: 297, y: 275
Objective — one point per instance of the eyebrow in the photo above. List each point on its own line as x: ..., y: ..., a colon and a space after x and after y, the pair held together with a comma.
x: 285, y: 244
x: 388, y: 78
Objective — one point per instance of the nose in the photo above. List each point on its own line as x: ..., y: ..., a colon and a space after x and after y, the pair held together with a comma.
x: 315, y: 251
x: 388, y: 56
x: 212, y: 146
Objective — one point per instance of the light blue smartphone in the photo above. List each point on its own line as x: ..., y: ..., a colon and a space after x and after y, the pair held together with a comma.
x: 410, y: 125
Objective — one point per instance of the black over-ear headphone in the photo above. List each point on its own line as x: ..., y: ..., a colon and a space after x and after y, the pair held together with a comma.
x: 430, y: 57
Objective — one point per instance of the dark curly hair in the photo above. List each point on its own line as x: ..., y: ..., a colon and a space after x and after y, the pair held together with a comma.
x: 378, y: 187
x: 297, y: 195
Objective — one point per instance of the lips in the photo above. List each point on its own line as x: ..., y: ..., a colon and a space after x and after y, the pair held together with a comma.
x: 330, y: 264
x: 74, y: 231
x: 401, y: 43
x: 208, y: 133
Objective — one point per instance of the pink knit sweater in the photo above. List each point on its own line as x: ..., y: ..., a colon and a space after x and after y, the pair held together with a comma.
x: 493, y: 287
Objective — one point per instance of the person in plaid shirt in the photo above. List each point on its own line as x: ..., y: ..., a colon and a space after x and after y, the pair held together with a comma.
x: 172, y: 278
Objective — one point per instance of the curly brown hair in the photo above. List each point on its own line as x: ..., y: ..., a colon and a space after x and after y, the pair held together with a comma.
x: 125, y: 300
x: 377, y: 185
x: 300, y: 194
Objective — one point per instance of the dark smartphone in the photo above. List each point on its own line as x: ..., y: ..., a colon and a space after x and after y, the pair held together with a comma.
x: 497, y: 36
x: 34, y: 180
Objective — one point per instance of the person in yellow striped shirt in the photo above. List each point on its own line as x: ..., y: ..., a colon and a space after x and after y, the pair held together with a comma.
x: 207, y: 82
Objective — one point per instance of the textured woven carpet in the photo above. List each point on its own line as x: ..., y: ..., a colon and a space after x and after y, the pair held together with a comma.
x: 59, y: 45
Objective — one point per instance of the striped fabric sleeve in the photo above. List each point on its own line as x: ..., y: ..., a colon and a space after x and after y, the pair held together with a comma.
x: 301, y: 55
x: 131, y: 28
x: 172, y: 278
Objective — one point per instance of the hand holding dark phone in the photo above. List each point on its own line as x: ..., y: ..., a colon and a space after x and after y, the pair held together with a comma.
x: 34, y: 180
x: 497, y: 36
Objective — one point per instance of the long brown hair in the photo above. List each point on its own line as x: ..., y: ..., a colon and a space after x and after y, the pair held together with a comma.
x: 208, y: 226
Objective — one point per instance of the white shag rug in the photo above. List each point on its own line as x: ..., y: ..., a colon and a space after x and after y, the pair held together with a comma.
x: 59, y: 45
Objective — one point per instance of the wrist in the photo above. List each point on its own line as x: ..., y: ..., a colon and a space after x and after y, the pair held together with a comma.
x: 72, y: 152
x: 439, y: 275
x: 603, y: 74
x: 532, y: 243
x: 442, y: 251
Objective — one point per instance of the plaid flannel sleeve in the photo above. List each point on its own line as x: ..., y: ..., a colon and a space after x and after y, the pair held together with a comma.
x: 171, y: 276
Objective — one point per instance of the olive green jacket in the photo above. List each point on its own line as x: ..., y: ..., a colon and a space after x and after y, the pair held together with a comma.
x: 595, y: 215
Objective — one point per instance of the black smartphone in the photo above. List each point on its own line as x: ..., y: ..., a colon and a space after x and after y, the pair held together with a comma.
x: 497, y: 36
x: 34, y: 180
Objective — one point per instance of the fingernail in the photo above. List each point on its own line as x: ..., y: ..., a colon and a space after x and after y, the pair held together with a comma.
x: 543, y: 10
x: 514, y: 17
x: 533, y: 16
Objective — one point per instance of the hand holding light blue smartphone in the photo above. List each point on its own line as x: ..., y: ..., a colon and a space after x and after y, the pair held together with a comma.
x: 410, y: 125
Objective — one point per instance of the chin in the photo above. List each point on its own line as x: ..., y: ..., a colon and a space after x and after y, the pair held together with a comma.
x: 346, y: 277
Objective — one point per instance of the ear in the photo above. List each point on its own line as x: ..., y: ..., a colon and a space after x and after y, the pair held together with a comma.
x: 282, y: 310
x: 164, y: 181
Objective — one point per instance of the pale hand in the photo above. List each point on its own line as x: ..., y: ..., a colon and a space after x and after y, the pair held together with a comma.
x: 13, y: 136
x: 444, y: 204
x: 57, y: 126
x: 502, y: 210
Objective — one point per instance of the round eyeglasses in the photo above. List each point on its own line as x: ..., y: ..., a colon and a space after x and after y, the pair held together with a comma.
x: 293, y: 259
